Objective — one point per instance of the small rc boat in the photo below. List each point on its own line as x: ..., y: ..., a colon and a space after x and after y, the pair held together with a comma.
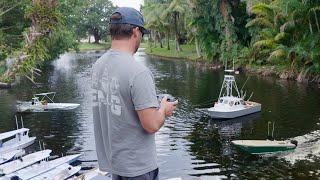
x: 44, y: 102
x: 265, y: 146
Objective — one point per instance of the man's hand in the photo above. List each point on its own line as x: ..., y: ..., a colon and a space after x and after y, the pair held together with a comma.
x: 168, y: 107
x: 152, y: 119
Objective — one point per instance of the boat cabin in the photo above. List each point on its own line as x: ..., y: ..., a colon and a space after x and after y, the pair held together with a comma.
x: 231, y: 101
x: 16, y: 135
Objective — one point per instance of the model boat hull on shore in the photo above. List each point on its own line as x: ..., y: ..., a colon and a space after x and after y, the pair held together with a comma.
x: 43, y: 167
x: 61, y: 172
x: 19, y: 139
x: 6, y: 157
x: 264, y: 146
x: 228, y: 113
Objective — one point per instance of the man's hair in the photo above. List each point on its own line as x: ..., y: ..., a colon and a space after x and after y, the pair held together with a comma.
x: 120, y: 31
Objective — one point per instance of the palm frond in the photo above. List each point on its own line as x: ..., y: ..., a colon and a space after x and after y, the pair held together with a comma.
x: 263, y: 10
x: 287, y: 26
x: 259, y: 22
x: 279, y: 53
x: 280, y: 36
x: 265, y: 44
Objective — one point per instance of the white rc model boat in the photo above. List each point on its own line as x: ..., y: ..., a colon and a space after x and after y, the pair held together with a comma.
x: 43, y: 167
x: 8, y: 156
x: 231, y: 106
x: 21, y: 140
x: 25, y: 161
x: 15, y: 140
x: 44, y: 102
x: 63, y: 171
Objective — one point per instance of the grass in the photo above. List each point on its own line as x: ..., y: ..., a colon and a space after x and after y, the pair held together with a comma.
x: 188, y: 51
x: 84, y: 46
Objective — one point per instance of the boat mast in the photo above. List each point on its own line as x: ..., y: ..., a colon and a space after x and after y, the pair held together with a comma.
x: 229, y: 83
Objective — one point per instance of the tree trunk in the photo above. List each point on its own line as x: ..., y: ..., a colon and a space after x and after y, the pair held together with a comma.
x: 96, y: 35
x: 89, y: 38
x: 178, y: 49
x: 160, y: 40
x: 198, y: 47
x: 168, y: 41
x: 153, y: 37
x: 224, y: 11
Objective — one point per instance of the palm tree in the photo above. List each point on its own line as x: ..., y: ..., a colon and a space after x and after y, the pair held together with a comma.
x: 176, y: 10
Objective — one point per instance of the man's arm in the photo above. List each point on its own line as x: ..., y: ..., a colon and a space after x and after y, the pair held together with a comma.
x: 152, y: 119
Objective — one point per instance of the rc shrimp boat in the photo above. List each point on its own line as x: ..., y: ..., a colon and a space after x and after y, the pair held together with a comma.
x: 229, y: 105
x: 44, y: 102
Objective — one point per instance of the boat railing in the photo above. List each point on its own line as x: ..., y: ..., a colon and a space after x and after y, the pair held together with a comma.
x: 46, y: 96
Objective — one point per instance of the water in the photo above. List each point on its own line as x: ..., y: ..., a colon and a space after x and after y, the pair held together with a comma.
x: 190, y: 144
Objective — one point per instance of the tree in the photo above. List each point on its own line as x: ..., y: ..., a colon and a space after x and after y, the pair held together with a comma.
x: 96, y: 18
x: 176, y: 10
x: 12, y: 25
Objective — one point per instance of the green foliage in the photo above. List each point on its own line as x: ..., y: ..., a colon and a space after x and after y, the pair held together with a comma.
x: 12, y: 25
x: 95, y: 19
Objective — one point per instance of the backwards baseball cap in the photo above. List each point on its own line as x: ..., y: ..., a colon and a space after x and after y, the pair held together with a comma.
x: 130, y: 16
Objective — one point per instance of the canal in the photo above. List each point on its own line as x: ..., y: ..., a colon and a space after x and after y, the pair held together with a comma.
x: 190, y: 144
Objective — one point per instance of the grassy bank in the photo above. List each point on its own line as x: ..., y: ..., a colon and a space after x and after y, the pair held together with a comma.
x: 188, y: 51
x: 84, y: 46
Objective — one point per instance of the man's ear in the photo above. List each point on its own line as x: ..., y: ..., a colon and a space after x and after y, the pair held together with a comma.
x: 135, y: 32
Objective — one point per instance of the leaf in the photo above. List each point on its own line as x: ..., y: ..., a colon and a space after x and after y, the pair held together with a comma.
x: 264, y: 43
x: 280, y: 36
x: 259, y: 22
x: 263, y: 10
x: 277, y: 54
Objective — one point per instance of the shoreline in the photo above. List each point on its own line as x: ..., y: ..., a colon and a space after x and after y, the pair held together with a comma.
x: 264, y: 71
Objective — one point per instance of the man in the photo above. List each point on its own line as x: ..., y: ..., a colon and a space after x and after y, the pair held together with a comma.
x: 126, y: 111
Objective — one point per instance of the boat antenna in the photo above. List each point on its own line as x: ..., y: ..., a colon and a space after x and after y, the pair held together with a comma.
x: 244, y: 84
x: 250, y: 96
x: 16, y: 121
x: 22, y: 121
x: 270, y: 137
x: 268, y: 127
x: 40, y: 146
x: 272, y: 130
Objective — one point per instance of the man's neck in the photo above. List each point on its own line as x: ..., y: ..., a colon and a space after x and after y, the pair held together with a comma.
x: 122, y: 45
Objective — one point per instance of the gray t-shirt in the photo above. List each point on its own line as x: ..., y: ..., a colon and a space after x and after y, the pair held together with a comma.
x: 122, y: 86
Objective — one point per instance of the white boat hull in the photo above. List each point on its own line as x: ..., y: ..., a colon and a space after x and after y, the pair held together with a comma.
x: 94, y: 174
x: 25, y: 161
x: 43, y: 167
x: 18, y: 145
x: 231, y: 113
x: 6, y: 157
x: 63, y: 171
x: 28, y: 107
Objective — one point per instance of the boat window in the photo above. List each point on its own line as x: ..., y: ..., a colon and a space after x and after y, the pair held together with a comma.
x: 242, y: 102
x: 231, y: 103
x: 225, y: 101
x: 220, y: 100
x: 237, y: 103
